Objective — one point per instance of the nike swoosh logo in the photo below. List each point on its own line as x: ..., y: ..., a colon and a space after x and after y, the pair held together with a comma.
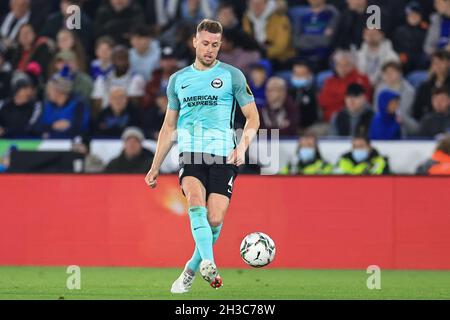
x: 184, y: 87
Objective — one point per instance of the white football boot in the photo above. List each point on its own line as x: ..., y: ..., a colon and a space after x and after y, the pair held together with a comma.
x: 184, y: 282
x: 209, y: 272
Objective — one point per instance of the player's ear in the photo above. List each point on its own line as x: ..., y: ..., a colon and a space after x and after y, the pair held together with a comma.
x: 194, y: 42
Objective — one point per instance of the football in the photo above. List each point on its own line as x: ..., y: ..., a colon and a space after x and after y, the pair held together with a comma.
x: 257, y: 250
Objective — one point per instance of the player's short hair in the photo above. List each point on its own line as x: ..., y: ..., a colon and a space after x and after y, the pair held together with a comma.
x: 210, y: 26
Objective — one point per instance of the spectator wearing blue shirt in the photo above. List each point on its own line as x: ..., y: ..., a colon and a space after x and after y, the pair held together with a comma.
x: 438, y: 36
x: 314, y: 32
x: 119, y: 115
x: 102, y: 66
x: 65, y: 115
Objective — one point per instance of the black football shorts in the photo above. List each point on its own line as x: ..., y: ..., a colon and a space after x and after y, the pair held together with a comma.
x: 213, y: 172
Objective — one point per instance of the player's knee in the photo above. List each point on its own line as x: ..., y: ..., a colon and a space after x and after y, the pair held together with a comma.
x: 215, y: 220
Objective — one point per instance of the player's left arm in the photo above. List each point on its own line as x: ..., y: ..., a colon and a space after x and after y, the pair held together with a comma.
x: 244, y: 96
x: 251, y: 127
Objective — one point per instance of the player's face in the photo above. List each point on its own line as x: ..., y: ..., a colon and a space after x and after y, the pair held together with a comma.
x: 207, y: 46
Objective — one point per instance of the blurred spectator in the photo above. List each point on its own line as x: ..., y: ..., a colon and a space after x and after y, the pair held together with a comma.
x: 385, y: 124
x: 182, y: 42
x: 18, y: 15
x: 82, y: 83
x: 232, y: 53
x: 332, y: 96
x: 357, y: 115
x: 308, y: 159
x: 302, y: 90
x: 393, y: 80
x: 121, y: 76
x: 30, y: 48
x: 313, y: 33
x: 409, y: 39
x: 19, y: 113
x: 162, y: 13
x: 258, y: 82
x: 57, y: 21
x: 134, y: 158
x: 375, y: 51
x: 362, y: 160
x: 102, y: 65
x: 5, y: 74
x: 439, y: 77
x: 437, y: 121
x: 194, y: 11
x: 64, y: 115
x: 279, y: 111
x: 160, y: 77
x: 230, y: 23
x: 351, y: 25
x: 145, y: 52
x: 439, y: 164
x: 151, y: 119
x: 115, y: 18
x: 67, y: 40
x: 119, y: 115
x: 438, y: 36
x: 91, y: 163
x: 272, y: 30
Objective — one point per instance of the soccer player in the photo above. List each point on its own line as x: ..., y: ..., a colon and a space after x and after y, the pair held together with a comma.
x: 202, y: 103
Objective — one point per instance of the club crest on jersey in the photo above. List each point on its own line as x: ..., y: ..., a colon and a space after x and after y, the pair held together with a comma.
x: 217, y: 83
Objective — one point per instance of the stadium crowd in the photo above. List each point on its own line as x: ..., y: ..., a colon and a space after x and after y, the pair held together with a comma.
x: 314, y: 66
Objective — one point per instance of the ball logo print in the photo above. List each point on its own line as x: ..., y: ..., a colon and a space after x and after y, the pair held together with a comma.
x: 257, y: 250
x: 217, y: 83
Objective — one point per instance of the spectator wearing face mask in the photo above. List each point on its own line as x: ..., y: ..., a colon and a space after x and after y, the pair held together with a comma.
x: 363, y: 159
x: 302, y: 90
x: 308, y: 159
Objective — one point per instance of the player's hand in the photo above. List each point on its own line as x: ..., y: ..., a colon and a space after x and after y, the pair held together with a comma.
x: 237, y: 157
x: 151, y: 177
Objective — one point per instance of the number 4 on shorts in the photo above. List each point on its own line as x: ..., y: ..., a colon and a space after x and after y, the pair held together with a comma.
x: 230, y: 184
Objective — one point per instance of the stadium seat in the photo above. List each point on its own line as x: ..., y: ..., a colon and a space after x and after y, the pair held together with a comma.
x: 416, y: 78
x: 321, y: 77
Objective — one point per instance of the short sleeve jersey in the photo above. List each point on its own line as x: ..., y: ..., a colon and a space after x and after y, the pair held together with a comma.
x: 207, y: 102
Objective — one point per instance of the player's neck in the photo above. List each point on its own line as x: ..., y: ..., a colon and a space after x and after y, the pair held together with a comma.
x: 201, y: 67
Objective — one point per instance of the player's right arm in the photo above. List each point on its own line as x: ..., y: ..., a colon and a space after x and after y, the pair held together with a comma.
x: 167, y: 134
x: 166, y: 140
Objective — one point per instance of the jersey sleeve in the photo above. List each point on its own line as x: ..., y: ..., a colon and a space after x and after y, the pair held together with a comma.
x: 174, y: 103
x: 241, y: 89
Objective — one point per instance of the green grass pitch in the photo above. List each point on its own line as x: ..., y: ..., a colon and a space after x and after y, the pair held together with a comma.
x: 141, y: 283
